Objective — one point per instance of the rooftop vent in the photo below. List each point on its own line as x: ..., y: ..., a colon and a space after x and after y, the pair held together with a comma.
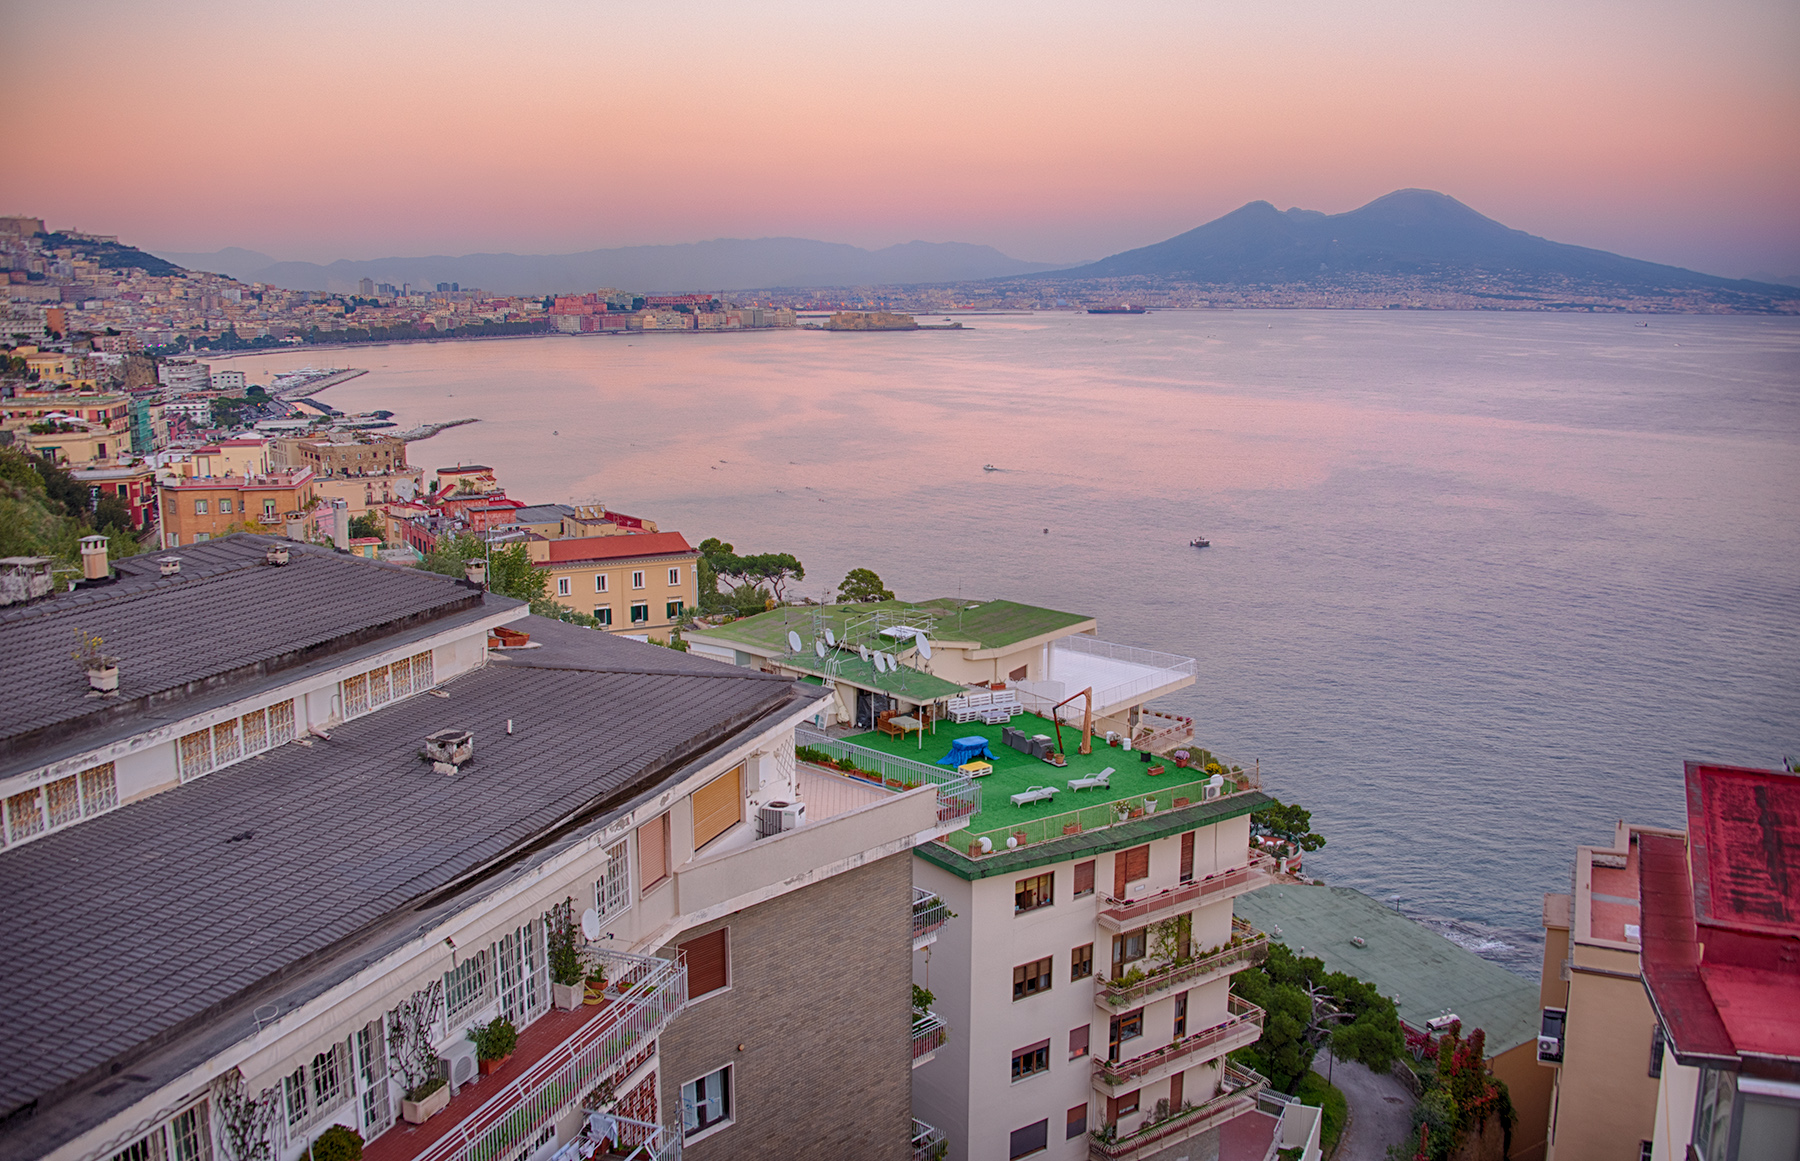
x: 277, y: 555
x: 476, y: 571
x: 93, y: 558
x: 170, y: 565
x: 449, y: 750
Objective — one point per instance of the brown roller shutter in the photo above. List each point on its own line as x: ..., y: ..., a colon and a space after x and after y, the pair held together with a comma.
x: 1175, y: 1090
x: 1187, y: 858
x: 1128, y: 867
x: 1084, y: 878
x: 718, y: 806
x: 707, y: 963
x: 653, y: 852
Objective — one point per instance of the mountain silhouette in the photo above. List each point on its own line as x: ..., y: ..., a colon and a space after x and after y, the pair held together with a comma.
x: 1413, y: 233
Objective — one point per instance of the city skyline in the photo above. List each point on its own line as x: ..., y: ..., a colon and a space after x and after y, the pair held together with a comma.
x: 1056, y: 135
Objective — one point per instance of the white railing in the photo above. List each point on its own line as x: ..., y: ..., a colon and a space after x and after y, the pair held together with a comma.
x: 928, y: 1142
x: 1163, y: 669
x: 958, y: 797
x: 928, y: 1034
x: 643, y: 994
x: 1151, y: 658
x: 929, y: 912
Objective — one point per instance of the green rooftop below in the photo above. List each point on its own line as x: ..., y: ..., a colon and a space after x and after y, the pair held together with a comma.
x: 979, y: 624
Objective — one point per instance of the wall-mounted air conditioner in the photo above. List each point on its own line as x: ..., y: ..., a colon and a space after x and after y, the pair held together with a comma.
x: 777, y: 817
x: 1138, y: 889
x: 1550, y: 1036
x: 460, y: 1064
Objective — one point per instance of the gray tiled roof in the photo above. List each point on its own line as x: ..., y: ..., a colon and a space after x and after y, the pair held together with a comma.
x: 126, y: 930
x: 226, y: 618
x: 541, y: 513
x: 564, y: 646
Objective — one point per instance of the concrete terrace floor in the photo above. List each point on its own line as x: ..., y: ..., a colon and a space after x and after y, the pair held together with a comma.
x: 1015, y: 772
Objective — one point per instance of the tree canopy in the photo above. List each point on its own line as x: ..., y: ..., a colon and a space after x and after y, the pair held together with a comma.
x: 1303, y: 1002
x: 861, y: 585
x: 769, y: 571
x: 1287, y: 821
x: 510, y: 571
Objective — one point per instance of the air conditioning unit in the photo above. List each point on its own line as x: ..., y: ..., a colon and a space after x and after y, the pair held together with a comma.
x: 1440, y: 1023
x: 1550, y: 1036
x: 777, y: 817
x: 1138, y: 889
x: 1209, y: 791
x: 460, y: 1064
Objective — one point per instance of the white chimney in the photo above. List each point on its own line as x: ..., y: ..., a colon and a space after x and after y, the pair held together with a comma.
x: 340, y: 525
x: 93, y: 558
x: 476, y: 570
x: 296, y: 525
x: 449, y: 750
x: 169, y: 565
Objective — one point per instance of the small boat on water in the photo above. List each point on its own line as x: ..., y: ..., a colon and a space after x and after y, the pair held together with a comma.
x: 989, y: 468
x: 1122, y: 308
x: 1199, y: 542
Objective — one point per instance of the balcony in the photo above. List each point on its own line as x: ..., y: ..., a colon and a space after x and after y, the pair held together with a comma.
x: 958, y: 797
x: 1117, y: 915
x: 1249, y: 947
x: 560, y: 1058
x: 929, y: 1033
x: 1240, y: 1029
x: 928, y: 1143
x: 1173, y: 1129
x: 1119, y: 675
x: 929, y: 914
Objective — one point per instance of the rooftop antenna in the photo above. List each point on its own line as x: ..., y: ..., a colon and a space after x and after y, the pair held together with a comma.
x: 793, y: 641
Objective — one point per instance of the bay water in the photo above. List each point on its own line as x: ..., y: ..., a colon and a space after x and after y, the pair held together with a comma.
x: 1478, y: 583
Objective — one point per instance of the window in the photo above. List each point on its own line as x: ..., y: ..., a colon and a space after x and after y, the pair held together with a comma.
x: 640, y: 614
x: 225, y: 505
x: 706, y: 1102
x: 708, y: 959
x: 1084, y: 878
x: 190, y: 1137
x: 1181, y: 1015
x: 381, y: 689
x: 466, y: 986
x: 1077, y: 1123
x: 1031, y: 978
x: 356, y: 694
x: 674, y: 576
x: 1078, y: 1042
x: 612, y: 890
x: 268, y: 509
x: 202, y: 537
x: 599, y: 582
x: 24, y: 815
x: 62, y: 801
x: 199, y: 507
x: 1128, y: 867
x: 653, y: 852
x: 672, y: 611
x: 1656, y: 1050
x: 312, y: 1090
x: 174, y: 540
x: 603, y: 615
x: 1122, y: 1105
x: 562, y: 586
x: 518, y: 966
x: 1030, y: 894
x: 1031, y: 1139
x: 372, y: 1063
x: 1018, y: 674
x: 1187, y: 857
x: 1175, y: 1083
x: 637, y: 580
x: 718, y: 806
x: 1129, y: 948
x: 1030, y: 1061
x: 1129, y: 1026
x: 99, y: 789
x: 195, y: 753
x: 1081, y: 962
x: 226, y: 746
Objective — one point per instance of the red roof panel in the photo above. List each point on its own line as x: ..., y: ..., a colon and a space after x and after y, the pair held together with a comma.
x: 584, y: 548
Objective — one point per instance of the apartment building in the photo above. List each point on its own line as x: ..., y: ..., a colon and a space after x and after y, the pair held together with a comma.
x: 350, y: 455
x: 640, y: 585
x: 1721, y: 960
x: 232, y: 457
x: 133, y: 483
x: 321, y: 831
x: 197, y: 509
x: 1598, y: 1032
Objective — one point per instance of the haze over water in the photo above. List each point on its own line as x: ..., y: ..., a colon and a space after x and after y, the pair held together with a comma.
x: 1479, y: 583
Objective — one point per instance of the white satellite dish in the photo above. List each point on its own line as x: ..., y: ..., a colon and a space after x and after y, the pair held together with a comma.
x: 864, y: 650
x: 924, y: 647
x: 891, y: 663
x: 831, y: 638
x: 590, y: 923
x: 793, y: 641
x: 881, y: 663
x: 819, y: 648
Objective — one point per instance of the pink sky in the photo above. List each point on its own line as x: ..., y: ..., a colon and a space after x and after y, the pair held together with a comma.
x: 1668, y: 131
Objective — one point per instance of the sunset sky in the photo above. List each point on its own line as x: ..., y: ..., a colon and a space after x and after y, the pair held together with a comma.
x: 1054, y: 131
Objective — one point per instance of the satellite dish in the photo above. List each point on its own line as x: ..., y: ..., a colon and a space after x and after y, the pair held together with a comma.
x: 864, y: 650
x: 819, y: 648
x: 830, y: 638
x: 881, y: 662
x: 793, y: 641
x: 590, y: 923
x: 924, y: 647
x: 987, y: 844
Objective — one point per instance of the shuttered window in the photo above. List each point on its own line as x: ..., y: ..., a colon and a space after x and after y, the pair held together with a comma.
x: 1128, y: 867
x: 1084, y: 878
x: 653, y: 852
x: 1187, y: 857
x: 718, y: 806
x: 708, y: 963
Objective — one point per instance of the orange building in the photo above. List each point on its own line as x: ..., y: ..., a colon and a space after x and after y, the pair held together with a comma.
x: 196, y: 510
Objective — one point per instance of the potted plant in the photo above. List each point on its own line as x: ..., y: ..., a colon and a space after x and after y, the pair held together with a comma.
x: 338, y: 1143
x: 494, y: 1043
x: 427, y: 1100
x: 1181, y: 759
x: 595, y: 984
x: 1155, y: 770
x: 567, y: 987
x: 102, y: 671
x: 421, y: 1071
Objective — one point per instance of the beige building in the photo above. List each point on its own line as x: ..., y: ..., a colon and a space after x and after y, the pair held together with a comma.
x: 349, y: 456
x: 639, y: 585
x: 233, y: 457
x: 193, y: 511
x: 1599, y: 1032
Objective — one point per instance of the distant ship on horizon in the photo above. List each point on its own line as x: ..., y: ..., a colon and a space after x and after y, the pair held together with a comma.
x: 1123, y: 308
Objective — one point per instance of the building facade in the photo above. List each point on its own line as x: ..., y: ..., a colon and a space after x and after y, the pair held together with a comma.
x: 198, y: 509
x: 641, y: 585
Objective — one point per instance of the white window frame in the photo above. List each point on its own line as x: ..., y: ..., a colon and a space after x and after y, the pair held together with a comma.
x: 562, y: 586
x: 637, y: 579
x: 599, y: 582
x: 612, y: 887
x: 643, y: 620
x: 690, y: 1112
x: 675, y: 576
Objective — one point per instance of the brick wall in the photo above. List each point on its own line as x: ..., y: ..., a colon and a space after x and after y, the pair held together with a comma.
x: 820, y: 998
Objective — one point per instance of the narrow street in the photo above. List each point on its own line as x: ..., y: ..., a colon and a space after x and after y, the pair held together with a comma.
x: 1380, y: 1109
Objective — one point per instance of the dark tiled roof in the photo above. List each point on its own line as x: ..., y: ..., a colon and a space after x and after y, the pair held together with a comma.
x: 225, y: 618
x: 125, y: 930
x: 564, y: 646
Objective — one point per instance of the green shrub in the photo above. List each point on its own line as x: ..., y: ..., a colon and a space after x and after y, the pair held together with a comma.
x: 337, y: 1143
x: 494, y: 1040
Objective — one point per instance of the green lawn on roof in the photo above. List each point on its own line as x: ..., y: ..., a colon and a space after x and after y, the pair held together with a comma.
x: 1015, y: 771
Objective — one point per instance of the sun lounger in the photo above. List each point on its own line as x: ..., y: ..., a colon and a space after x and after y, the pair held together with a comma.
x: 1034, y: 794
x: 1100, y: 781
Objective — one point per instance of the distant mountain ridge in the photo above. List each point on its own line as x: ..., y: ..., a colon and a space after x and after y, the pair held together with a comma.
x: 1410, y: 233
x: 721, y: 264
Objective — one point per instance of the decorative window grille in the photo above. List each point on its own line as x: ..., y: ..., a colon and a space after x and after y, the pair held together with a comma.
x: 281, y: 723
x: 372, y: 1068
x: 196, y: 754
x: 226, y: 747
x: 62, y: 800
x: 330, y: 1070
x: 99, y: 789
x: 612, y: 890
x: 466, y: 986
x: 378, y: 686
x: 401, y: 677
x: 189, y: 1136
x: 520, y: 962
x: 256, y: 731
x: 356, y: 695
x: 298, y: 1104
x: 24, y: 815
x: 423, y: 677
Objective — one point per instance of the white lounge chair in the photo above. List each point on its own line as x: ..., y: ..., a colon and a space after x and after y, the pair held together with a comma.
x: 1100, y: 781
x: 1034, y: 794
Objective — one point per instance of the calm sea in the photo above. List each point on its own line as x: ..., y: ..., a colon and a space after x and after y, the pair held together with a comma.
x: 1479, y: 583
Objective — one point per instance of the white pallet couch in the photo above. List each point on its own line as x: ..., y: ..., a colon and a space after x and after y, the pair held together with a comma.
x: 969, y: 708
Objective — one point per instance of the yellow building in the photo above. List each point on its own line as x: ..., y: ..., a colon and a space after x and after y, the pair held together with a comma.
x: 639, y: 585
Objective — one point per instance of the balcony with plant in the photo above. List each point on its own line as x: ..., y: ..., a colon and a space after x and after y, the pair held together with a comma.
x: 1172, y: 969
x: 1241, y: 1028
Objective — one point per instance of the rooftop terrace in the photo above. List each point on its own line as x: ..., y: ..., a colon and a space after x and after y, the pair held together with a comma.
x: 979, y: 624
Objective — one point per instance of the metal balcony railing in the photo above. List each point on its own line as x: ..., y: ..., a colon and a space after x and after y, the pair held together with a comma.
x: 928, y: 1142
x: 1245, y: 1019
x: 929, y: 913
x: 1251, y: 949
x: 958, y: 797
x: 929, y: 1034
x: 643, y: 994
x: 1178, y: 1126
x: 1124, y: 914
